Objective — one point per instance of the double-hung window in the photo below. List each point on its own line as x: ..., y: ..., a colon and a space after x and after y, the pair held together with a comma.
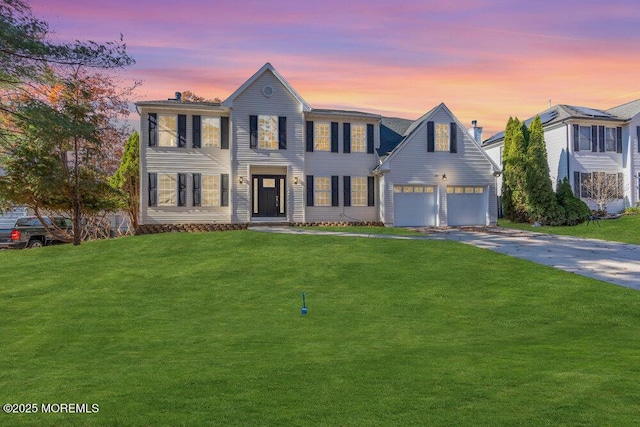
x: 210, y: 190
x: 359, y: 191
x: 167, y: 186
x: 358, y: 138
x: 610, y: 139
x: 322, y: 136
x: 268, y: 132
x: 167, y: 130
x: 211, y: 132
x: 322, y: 187
x: 585, y: 138
x: 442, y: 136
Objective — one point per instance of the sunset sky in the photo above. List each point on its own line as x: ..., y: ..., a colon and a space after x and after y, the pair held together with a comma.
x: 486, y: 59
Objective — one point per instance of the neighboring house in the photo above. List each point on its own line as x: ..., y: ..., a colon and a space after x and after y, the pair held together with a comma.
x: 8, y: 219
x: 264, y: 155
x: 589, y: 146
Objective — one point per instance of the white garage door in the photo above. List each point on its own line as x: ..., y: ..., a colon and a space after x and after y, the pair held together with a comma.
x: 466, y: 205
x: 414, y: 205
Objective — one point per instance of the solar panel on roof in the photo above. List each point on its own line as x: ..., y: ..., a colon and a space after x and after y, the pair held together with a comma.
x: 548, y: 116
x: 592, y: 112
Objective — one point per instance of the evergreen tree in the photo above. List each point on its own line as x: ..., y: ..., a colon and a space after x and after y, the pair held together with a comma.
x: 541, y: 202
x: 507, y: 169
x: 514, y: 172
x: 576, y: 211
x: 127, y: 177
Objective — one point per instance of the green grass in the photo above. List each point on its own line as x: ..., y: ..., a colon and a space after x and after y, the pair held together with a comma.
x: 205, y: 329
x: 625, y: 229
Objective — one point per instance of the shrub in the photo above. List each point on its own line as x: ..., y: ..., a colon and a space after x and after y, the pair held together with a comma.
x: 576, y: 211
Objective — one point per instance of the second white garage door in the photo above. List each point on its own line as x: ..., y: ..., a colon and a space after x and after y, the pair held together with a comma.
x: 415, y: 205
x: 466, y: 205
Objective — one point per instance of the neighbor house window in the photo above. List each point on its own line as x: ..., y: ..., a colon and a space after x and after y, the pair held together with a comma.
x: 167, y: 131
x: 268, y: 132
x: 358, y: 191
x: 167, y: 185
x: 210, y: 190
x: 442, y: 137
x: 610, y: 139
x: 322, y: 136
x: 210, y: 132
x: 322, y: 191
x: 358, y: 139
x: 585, y: 138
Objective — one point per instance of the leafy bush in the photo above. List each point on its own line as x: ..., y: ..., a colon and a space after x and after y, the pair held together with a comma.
x: 576, y: 211
x: 632, y: 210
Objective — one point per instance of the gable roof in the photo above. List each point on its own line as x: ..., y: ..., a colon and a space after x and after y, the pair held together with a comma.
x: 626, y: 111
x: 418, y: 124
x: 559, y: 113
x: 266, y: 67
x: 392, y: 131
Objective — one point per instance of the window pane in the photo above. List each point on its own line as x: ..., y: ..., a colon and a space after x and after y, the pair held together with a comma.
x: 442, y: 136
x: 210, y: 132
x: 210, y: 188
x: 167, y: 131
x: 358, y: 138
x: 418, y: 190
x: 321, y: 136
x: 167, y: 189
x: 459, y: 190
x: 407, y: 189
x: 268, y: 132
x: 358, y: 191
x: 397, y: 189
x: 585, y: 138
x: 610, y: 139
x: 322, y: 191
x: 428, y: 189
x: 479, y: 190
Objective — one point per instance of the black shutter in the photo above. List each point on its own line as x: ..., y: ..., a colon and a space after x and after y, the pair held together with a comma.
x: 282, y: 133
x: 431, y: 137
x: 453, y: 138
x: 197, y: 180
x: 224, y: 189
x: 594, y: 138
x: 638, y: 133
x: 576, y: 138
x: 253, y: 131
x: 224, y: 133
x: 182, y: 189
x: 334, y: 190
x: 153, y: 192
x: 347, y: 190
x: 309, y: 190
x: 346, y: 137
x: 334, y: 137
x: 195, y: 132
x: 576, y: 184
x: 601, y: 138
x: 618, y: 140
x: 153, y: 129
x: 371, y: 191
x: 182, y: 130
x: 310, y: 136
x: 370, y: 139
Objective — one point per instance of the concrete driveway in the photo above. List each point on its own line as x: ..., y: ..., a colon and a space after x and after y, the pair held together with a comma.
x: 617, y: 263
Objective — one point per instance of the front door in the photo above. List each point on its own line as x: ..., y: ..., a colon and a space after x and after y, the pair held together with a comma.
x: 269, y: 195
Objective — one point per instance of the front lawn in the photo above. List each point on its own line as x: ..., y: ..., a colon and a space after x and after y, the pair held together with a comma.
x: 205, y: 329
x: 625, y: 229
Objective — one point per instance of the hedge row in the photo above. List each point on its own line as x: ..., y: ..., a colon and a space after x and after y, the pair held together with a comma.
x: 187, y: 228
x: 339, y: 224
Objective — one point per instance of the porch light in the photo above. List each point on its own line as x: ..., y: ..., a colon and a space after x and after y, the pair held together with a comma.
x: 241, y: 180
x: 295, y: 180
x: 444, y: 177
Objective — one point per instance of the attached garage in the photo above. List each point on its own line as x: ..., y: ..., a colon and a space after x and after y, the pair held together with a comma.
x: 415, y: 205
x: 467, y: 205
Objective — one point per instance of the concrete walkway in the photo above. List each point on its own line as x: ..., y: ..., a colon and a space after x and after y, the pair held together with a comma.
x: 617, y: 263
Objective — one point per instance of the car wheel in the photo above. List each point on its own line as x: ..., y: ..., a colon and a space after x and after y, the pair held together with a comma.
x: 35, y: 243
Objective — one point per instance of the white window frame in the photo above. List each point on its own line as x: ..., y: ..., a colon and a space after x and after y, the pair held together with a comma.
x: 209, y: 190
x: 321, y: 136
x: 442, y: 139
x: 167, y: 130
x: 359, y: 191
x: 321, y: 191
x: 268, y: 132
x: 167, y: 189
x: 210, y: 132
x: 584, y: 139
x: 358, y: 138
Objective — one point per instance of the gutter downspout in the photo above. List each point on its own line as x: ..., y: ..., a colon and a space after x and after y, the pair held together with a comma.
x: 568, y: 161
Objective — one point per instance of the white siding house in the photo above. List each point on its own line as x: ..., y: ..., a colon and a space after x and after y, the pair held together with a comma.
x: 588, y: 146
x: 265, y: 155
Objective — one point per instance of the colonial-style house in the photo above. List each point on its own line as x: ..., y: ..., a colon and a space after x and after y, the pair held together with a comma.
x: 265, y: 155
x: 595, y: 149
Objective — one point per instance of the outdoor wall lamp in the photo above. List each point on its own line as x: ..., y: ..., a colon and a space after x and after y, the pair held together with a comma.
x: 295, y: 180
x: 444, y: 177
x: 241, y: 180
